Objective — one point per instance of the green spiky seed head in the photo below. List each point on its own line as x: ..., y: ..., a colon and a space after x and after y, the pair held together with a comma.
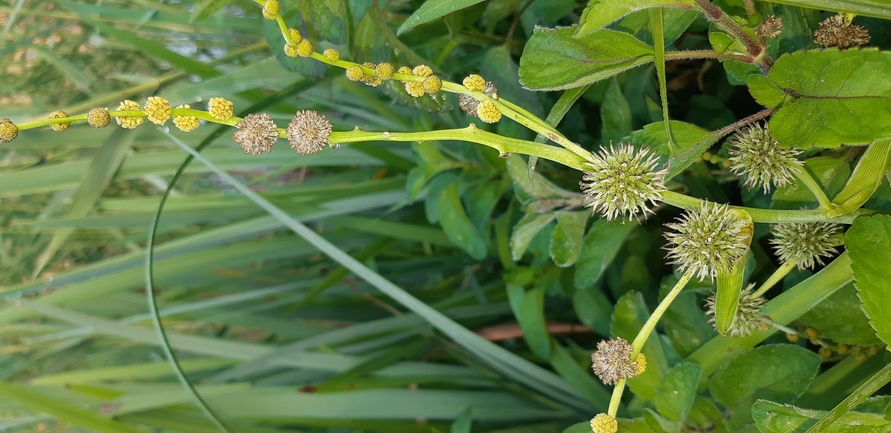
x: 622, y: 182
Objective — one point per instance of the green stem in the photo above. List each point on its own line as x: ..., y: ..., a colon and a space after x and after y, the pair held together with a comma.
x: 658, y: 31
x: 872, y: 385
x: 776, y: 277
x: 770, y: 215
x: 200, y: 114
x: 650, y: 324
x: 808, y: 181
x: 616, y: 398
x: 706, y: 54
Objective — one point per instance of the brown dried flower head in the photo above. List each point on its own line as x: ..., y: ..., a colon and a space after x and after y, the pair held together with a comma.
x: 469, y: 104
x: 770, y: 27
x: 308, y: 132
x: 612, y: 361
x: 836, y: 31
x: 256, y: 134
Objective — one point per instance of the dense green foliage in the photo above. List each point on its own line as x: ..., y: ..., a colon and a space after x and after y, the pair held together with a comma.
x: 436, y: 271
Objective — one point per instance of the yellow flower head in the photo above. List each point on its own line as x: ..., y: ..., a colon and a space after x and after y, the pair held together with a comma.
x: 304, y: 48
x: 384, y: 71
x: 59, y: 127
x: 290, y: 51
x: 475, y: 83
x: 129, y: 122
x: 404, y: 70
x: 372, y: 80
x: 432, y: 84
x: 422, y: 71
x: 157, y: 109
x: 294, y: 36
x: 355, y: 73
x: 98, y: 117
x: 414, y: 89
x: 641, y: 364
x: 271, y: 8
x: 186, y: 123
x: 8, y: 130
x: 220, y: 108
x: 488, y: 112
x: 332, y: 54
x: 603, y: 423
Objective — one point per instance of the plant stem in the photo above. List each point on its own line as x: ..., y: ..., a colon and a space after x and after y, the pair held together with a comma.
x: 616, y: 398
x: 770, y: 215
x: 777, y: 275
x: 878, y: 380
x: 808, y: 181
x: 717, y: 17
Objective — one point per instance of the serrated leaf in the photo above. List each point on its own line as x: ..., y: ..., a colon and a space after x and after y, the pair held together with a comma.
x: 525, y: 230
x: 457, y: 225
x: 869, y: 241
x: 771, y: 417
x: 677, y: 390
x: 764, y: 91
x: 840, y: 97
x: 567, y: 237
x: 433, y: 9
x: 600, y: 13
x: 840, y: 319
x: 555, y: 60
x: 599, y: 248
x: 689, y: 140
x: 778, y: 372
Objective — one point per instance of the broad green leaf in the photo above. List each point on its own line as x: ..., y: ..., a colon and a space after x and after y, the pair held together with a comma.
x: 599, y: 248
x: 433, y: 9
x: 659, y: 423
x: 628, y: 318
x: 771, y: 417
x: 706, y: 415
x: 839, y: 97
x: 868, y: 241
x: 206, y: 8
x: 331, y: 18
x: 528, y: 306
x: 567, y: 237
x: 677, y: 390
x: 690, y: 141
x: 600, y: 13
x: 859, y: 400
x: 555, y: 60
x: 730, y: 283
x: 686, y: 325
x: 778, y: 372
x: 615, y: 114
x: 593, y: 308
x: 840, y: 318
x: 457, y: 225
x: 525, y: 231
x: 764, y: 91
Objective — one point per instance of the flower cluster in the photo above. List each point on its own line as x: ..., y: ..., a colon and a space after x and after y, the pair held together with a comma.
x: 756, y: 155
x: 622, y: 181
x: 749, y: 317
x: 804, y: 243
x: 836, y: 31
x: 612, y: 361
x: 485, y: 109
x: 707, y: 241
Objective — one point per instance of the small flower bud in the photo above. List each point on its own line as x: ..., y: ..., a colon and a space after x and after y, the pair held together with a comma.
x: 811, y: 333
x: 872, y: 350
x: 372, y: 80
x: 98, y: 117
x: 612, y: 361
x: 474, y: 83
x: 290, y: 51
x: 256, y: 134
x: 304, y: 48
x: 860, y: 357
x: 749, y: 317
x: 835, y: 31
x: 856, y: 349
x: 59, y: 127
x: 432, y: 84
x: 488, y: 112
x: 294, y: 36
x: 707, y: 241
x: 422, y: 71
x: 355, y: 73
x: 805, y: 243
x: 308, y: 132
x: 824, y: 352
x: 8, y: 130
x: 793, y: 338
x: 405, y: 70
x: 186, y: 123
x: 384, y: 71
x: 271, y: 8
x: 414, y: 89
x: 220, y: 108
x: 841, y: 349
x: 157, y: 110
x: 756, y: 155
x: 603, y: 423
x: 331, y: 54
x: 621, y: 182
x: 641, y: 364
x: 128, y: 122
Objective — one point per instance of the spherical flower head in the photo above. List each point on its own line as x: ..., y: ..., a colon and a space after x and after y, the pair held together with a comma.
x: 355, y: 73
x: 749, y: 317
x: 59, y: 114
x: 620, y: 182
x: 98, y: 117
x: 294, y: 36
x: 770, y: 27
x: 469, y: 104
x: 157, y: 110
x: 414, y: 89
x: 612, y: 361
x: 603, y: 423
x: 331, y: 54
x: 304, y: 48
x: 432, y: 84
x: 8, y: 130
x: 290, y: 51
x: 422, y: 71
x: 805, y: 243
x: 384, y: 70
x: 129, y: 122
x: 474, y: 83
x: 372, y: 80
x: 308, y: 132
x: 641, y: 361
x: 488, y: 112
x: 256, y: 134
x: 220, y: 108
x: 186, y: 123
x: 835, y: 31
x: 707, y: 241
x: 761, y: 159
x: 405, y: 70
x: 271, y: 8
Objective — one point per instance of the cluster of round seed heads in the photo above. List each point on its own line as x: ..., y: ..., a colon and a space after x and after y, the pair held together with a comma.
x: 158, y: 110
x: 129, y: 122
x: 271, y: 8
x: 707, y: 241
x: 220, y: 108
x: 308, y: 132
x: 371, y: 80
x: 430, y: 85
x: 805, y: 243
x: 756, y: 155
x: 186, y: 123
x: 612, y: 361
x: 98, y: 117
x: 256, y: 134
x: 622, y: 182
x: 331, y: 54
x: 8, y: 130
x: 835, y: 31
x: 59, y: 127
x: 749, y: 317
x: 468, y: 103
x: 603, y: 423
